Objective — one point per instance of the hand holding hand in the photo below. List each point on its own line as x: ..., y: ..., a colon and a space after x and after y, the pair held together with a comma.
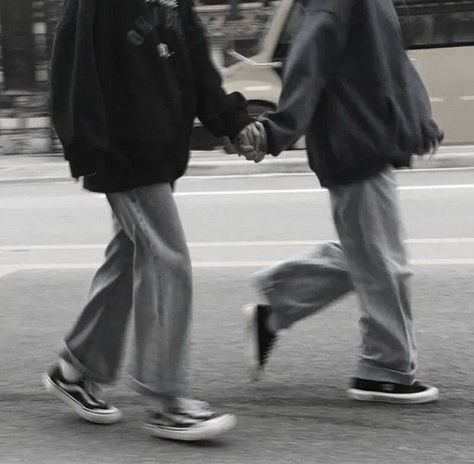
x: 252, y: 142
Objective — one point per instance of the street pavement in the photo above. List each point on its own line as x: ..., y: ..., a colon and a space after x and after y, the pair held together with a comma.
x: 52, y: 237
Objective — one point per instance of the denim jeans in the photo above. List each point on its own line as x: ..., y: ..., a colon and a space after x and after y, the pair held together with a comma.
x: 371, y: 259
x: 147, y: 268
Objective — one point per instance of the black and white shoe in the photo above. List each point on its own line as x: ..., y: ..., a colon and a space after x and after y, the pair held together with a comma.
x: 260, y: 340
x: 80, y: 397
x: 387, y: 392
x: 188, y: 422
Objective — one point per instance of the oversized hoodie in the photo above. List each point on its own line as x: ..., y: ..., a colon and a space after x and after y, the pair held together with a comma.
x: 128, y: 79
x: 351, y: 89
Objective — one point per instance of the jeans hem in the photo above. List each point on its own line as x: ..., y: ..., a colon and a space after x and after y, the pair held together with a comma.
x: 67, y: 355
x: 147, y: 390
x: 380, y: 374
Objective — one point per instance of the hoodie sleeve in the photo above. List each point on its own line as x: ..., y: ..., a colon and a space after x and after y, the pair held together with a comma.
x: 221, y: 113
x: 76, y: 96
x: 311, y: 59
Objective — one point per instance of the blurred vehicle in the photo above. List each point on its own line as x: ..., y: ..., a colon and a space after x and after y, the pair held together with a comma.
x: 439, y: 35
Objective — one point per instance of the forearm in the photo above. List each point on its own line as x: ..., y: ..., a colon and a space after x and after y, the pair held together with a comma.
x: 312, y: 58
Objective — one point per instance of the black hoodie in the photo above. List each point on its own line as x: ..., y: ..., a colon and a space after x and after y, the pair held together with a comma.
x: 351, y: 89
x: 128, y: 79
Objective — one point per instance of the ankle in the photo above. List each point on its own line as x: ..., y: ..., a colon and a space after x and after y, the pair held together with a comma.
x: 69, y: 372
x: 271, y: 323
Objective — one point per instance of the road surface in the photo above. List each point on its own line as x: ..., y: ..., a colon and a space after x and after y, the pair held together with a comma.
x: 52, y: 237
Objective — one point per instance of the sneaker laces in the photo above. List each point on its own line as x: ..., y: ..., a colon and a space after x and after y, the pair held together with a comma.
x: 187, y: 407
x: 194, y: 407
x: 93, y: 389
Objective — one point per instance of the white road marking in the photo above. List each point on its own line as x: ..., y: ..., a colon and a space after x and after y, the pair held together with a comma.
x: 309, y: 174
x: 418, y: 170
x: 236, y: 244
x: 443, y: 262
x: 72, y: 247
x: 8, y: 269
x: 436, y: 187
x: 317, y: 190
x: 42, y: 179
x: 100, y: 196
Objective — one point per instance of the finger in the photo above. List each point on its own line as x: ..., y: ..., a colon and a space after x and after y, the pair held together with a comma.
x: 254, y: 136
x: 262, y: 136
x: 242, y: 138
x: 260, y: 157
x: 251, y: 156
x: 245, y: 149
x: 441, y: 137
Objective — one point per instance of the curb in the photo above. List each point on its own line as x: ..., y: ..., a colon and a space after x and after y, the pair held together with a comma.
x: 219, y: 164
x: 297, y: 165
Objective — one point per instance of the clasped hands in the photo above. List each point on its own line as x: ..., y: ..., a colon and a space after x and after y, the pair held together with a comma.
x: 252, y: 142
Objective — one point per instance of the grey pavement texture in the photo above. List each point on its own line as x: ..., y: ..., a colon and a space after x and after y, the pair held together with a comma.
x: 22, y: 168
x: 299, y: 412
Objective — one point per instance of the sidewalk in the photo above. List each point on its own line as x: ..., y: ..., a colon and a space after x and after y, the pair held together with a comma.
x: 44, y: 168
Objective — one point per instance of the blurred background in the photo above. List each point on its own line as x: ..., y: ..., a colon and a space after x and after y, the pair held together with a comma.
x: 249, y: 43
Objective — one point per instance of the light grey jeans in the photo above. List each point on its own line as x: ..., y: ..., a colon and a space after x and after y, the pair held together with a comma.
x: 147, y: 267
x: 370, y: 259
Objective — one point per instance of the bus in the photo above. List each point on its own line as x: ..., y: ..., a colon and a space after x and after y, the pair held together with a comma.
x: 439, y: 37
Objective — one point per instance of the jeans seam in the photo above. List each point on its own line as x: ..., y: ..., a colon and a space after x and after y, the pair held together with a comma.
x: 159, y: 310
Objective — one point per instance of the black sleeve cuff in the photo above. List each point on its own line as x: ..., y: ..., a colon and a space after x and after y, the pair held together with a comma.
x: 270, y: 142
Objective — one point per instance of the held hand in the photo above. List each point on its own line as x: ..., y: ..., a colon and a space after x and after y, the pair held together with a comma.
x: 432, y: 139
x: 252, y: 142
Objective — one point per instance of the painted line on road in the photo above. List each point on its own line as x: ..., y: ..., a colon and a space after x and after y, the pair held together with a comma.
x: 62, y: 180
x: 269, y: 175
x: 237, y: 244
x: 8, y: 269
x: 317, y: 190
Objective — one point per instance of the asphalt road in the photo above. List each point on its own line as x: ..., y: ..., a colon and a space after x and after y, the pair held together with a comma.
x: 52, y: 236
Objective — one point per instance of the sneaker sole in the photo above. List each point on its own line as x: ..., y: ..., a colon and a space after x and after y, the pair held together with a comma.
x: 429, y: 396
x: 94, y: 417
x: 249, y: 313
x: 207, y: 430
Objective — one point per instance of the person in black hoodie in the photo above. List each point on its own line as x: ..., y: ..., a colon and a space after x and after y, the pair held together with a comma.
x: 351, y: 89
x: 128, y: 80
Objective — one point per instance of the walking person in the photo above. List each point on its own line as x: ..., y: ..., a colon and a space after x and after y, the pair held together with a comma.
x: 350, y: 88
x: 128, y: 80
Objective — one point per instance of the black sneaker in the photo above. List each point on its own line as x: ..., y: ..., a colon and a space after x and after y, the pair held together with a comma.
x: 80, y: 397
x: 388, y: 392
x: 259, y: 339
x: 184, y: 423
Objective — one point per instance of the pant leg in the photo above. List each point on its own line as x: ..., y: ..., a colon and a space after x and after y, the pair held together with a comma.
x: 162, y: 292
x: 95, y: 344
x: 302, y: 286
x: 368, y: 221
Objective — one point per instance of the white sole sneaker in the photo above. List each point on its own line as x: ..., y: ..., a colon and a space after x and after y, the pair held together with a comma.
x: 430, y: 395
x: 111, y: 416
x: 249, y: 313
x: 205, y: 430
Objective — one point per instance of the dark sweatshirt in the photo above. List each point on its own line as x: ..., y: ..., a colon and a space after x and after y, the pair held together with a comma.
x: 128, y: 79
x: 351, y: 89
